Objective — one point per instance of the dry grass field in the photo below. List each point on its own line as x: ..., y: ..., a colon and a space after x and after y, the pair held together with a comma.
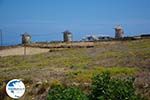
x: 75, y: 66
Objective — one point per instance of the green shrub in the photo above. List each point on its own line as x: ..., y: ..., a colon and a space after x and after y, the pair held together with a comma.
x: 106, y: 88
x: 103, y: 88
x: 61, y: 93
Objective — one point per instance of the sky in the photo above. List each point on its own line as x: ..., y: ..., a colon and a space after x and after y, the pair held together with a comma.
x: 45, y: 20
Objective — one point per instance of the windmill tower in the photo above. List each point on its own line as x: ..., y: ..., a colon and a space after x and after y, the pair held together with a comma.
x: 26, y: 38
x: 67, y: 36
x: 119, y: 32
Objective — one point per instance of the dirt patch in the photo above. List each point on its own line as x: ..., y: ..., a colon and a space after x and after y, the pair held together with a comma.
x: 20, y: 51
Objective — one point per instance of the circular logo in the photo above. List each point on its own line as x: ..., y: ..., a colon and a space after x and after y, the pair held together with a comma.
x: 15, y: 88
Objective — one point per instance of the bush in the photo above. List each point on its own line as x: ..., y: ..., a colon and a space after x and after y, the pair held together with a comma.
x: 71, y: 93
x: 106, y: 88
x: 103, y: 88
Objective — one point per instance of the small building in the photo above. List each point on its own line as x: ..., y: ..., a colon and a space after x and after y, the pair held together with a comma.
x: 96, y: 38
x: 119, y: 32
x: 67, y: 36
x: 104, y: 38
x: 26, y: 38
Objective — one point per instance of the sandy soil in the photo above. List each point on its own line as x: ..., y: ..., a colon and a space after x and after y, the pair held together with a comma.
x: 20, y: 51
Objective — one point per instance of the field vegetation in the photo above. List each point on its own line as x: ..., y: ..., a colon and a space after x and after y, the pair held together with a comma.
x: 77, y: 66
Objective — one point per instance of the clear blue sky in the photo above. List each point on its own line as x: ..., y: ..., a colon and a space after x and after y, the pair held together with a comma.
x: 81, y: 17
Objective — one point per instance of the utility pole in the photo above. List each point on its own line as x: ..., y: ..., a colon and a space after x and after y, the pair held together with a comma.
x: 1, y: 36
x: 24, y: 46
x: 25, y: 50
